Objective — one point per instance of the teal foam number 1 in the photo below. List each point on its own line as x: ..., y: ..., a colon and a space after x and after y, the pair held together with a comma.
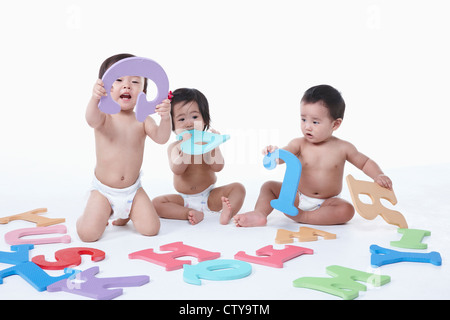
x: 288, y: 192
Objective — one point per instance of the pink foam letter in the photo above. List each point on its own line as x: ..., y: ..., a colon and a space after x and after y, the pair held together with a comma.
x: 13, y: 237
x: 168, y: 260
x: 272, y: 257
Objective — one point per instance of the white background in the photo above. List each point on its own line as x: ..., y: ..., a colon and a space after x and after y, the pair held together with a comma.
x: 253, y: 60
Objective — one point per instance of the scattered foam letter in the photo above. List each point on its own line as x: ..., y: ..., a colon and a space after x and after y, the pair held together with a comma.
x: 14, y: 237
x: 381, y: 256
x: 343, y: 282
x: 87, y: 284
x: 272, y: 257
x: 33, y: 217
x: 304, y: 234
x: 29, y: 271
x: 411, y: 239
x: 68, y: 257
x: 219, y: 269
x: 168, y: 260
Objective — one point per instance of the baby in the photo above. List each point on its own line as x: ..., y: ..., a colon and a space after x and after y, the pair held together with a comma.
x: 323, y: 157
x: 195, y: 175
x: 120, y: 140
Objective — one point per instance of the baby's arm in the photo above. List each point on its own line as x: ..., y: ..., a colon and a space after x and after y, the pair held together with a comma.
x: 94, y: 117
x: 178, y: 160
x: 368, y: 166
x: 293, y: 147
x: 216, y: 161
x: 160, y: 134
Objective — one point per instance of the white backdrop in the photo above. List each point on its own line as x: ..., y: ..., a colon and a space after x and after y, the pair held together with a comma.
x: 253, y: 59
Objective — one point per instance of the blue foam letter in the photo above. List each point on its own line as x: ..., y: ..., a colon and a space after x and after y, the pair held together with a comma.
x: 29, y: 271
x: 219, y: 269
x: 195, y: 144
x: 381, y: 256
x: 288, y: 192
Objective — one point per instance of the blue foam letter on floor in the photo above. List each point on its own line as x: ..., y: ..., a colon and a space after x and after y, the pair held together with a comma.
x: 29, y: 271
x: 219, y: 269
x: 381, y: 256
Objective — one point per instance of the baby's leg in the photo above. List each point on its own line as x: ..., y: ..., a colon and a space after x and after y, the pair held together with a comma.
x: 92, y: 224
x: 172, y: 207
x: 229, y: 199
x: 143, y: 214
x: 332, y: 211
x: 269, y: 191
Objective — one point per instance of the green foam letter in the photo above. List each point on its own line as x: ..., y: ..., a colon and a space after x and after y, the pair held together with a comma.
x: 343, y: 282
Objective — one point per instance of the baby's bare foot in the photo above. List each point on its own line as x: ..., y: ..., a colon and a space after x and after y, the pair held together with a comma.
x: 226, y: 214
x: 195, y: 216
x: 120, y: 222
x: 250, y: 219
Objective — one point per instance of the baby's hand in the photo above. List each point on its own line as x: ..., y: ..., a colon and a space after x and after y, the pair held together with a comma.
x: 186, y: 136
x: 384, y: 181
x: 163, y: 109
x: 269, y: 149
x: 99, y: 90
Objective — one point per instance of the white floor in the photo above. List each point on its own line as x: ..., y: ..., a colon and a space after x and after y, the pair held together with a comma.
x: 422, y: 192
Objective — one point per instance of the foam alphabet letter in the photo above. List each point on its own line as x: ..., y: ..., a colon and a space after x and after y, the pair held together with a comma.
x: 286, y: 236
x: 343, y: 282
x: 201, y: 142
x: 18, y: 255
x: 376, y: 193
x: 135, y: 66
x: 272, y: 257
x: 13, y: 237
x: 29, y: 271
x: 168, y: 260
x: 97, y: 288
x: 381, y: 256
x: 288, y: 192
x: 305, y: 234
x: 68, y: 257
x: 411, y: 239
x: 33, y: 217
x: 219, y: 269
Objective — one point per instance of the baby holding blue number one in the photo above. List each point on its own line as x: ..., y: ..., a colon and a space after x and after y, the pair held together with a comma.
x: 323, y: 157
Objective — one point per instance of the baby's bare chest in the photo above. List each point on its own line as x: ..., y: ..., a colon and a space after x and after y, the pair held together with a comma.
x: 320, y: 158
x: 121, y: 136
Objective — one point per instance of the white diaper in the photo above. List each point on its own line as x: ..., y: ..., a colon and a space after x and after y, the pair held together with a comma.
x: 120, y: 200
x: 310, y: 204
x: 198, y: 201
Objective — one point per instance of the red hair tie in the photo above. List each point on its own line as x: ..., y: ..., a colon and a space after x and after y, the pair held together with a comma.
x: 170, y: 96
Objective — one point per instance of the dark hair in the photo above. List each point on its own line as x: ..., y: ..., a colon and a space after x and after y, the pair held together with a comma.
x: 187, y: 95
x: 113, y: 59
x: 329, y: 96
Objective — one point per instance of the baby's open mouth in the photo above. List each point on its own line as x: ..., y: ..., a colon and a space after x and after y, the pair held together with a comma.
x: 125, y: 96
